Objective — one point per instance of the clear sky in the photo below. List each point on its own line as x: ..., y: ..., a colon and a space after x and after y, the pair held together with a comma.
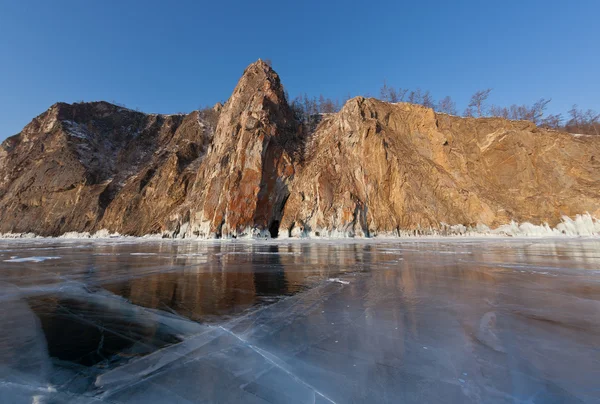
x: 175, y: 56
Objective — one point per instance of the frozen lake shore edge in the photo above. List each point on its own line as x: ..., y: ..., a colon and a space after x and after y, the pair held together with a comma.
x: 583, y: 225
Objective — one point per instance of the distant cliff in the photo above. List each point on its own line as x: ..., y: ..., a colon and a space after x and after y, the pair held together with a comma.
x: 373, y: 168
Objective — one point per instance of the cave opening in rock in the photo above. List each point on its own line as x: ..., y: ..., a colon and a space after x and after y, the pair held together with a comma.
x: 274, y: 228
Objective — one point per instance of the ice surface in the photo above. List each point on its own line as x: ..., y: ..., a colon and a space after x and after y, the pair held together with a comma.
x: 378, y: 321
x: 30, y: 259
x: 23, y: 353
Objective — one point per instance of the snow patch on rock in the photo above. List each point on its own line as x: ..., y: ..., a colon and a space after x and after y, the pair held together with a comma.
x: 76, y: 130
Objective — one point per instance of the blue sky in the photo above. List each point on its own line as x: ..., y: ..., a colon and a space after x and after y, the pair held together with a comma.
x: 176, y: 56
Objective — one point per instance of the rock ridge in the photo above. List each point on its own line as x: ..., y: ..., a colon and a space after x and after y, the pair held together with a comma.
x: 374, y: 168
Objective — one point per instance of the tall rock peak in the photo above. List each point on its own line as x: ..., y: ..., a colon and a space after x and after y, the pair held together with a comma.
x: 260, y: 77
x: 258, y: 96
x: 243, y: 184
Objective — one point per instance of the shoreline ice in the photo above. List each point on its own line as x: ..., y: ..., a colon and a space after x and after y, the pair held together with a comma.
x: 580, y: 226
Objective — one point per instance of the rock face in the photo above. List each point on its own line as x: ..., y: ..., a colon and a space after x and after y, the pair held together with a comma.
x: 242, y: 184
x: 62, y: 171
x: 378, y: 168
x: 146, y: 196
x: 249, y: 168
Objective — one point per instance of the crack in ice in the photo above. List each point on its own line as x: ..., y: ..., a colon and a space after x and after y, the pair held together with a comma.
x: 267, y: 356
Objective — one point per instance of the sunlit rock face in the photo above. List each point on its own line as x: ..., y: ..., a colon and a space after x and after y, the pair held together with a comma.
x: 62, y: 171
x: 377, y: 167
x: 242, y: 185
x: 148, y: 195
x: 374, y: 168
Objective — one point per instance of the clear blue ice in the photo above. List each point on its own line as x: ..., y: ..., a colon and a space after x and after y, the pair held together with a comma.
x: 346, y: 321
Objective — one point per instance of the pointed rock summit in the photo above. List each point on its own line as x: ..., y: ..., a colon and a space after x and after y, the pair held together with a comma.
x: 242, y: 185
x: 247, y: 168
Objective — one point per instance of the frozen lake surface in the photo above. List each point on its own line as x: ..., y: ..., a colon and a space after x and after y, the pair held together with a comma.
x: 414, y: 321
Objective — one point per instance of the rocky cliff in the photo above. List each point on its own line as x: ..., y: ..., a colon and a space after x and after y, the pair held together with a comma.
x: 62, y: 171
x: 377, y: 167
x: 373, y: 168
x: 242, y: 185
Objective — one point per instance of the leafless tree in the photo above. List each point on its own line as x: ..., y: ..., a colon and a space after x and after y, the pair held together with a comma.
x: 576, y: 116
x: 447, y: 106
x: 415, y: 97
x: 298, y: 109
x: 501, y: 112
x: 536, y: 113
x: 592, y: 119
x: 552, y: 121
x: 477, y: 103
x: 428, y: 100
x: 327, y: 106
x: 584, y: 122
x: 390, y: 94
x: 308, y: 110
x: 384, y: 92
x: 401, y: 94
x: 321, y: 102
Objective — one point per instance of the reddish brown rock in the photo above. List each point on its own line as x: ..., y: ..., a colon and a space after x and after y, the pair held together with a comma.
x: 248, y: 168
x: 146, y: 198
x: 377, y: 167
x: 60, y: 172
x: 242, y: 184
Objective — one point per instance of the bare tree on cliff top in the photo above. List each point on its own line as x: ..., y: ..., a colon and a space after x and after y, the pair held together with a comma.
x: 537, y: 111
x: 584, y: 122
x: 552, y: 121
x: 327, y: 106
x: 477, y: 103
x: 391, y: 94
x: 415, y: 97
x: 388, y: 93
x: 384, y: 92
x: 428, y: 100
x: 447, y: 106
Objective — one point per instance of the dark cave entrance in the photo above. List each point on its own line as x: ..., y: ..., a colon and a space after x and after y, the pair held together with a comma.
x: 274, y: 228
